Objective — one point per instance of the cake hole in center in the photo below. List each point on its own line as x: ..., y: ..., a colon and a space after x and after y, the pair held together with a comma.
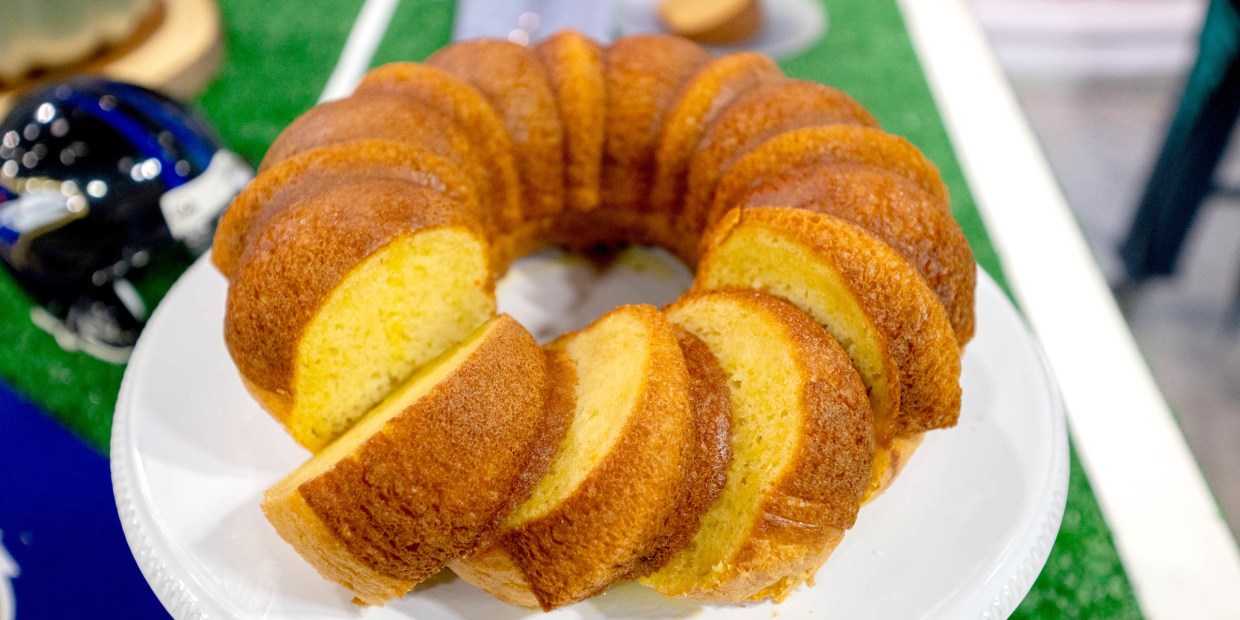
x: 554, y: 291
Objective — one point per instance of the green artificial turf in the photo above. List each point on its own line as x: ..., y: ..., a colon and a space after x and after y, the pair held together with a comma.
x: 271, y: 74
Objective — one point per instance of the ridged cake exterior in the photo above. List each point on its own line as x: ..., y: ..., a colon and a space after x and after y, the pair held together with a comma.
x: 717, y: 450
x: 437, y: 466
x: 802, y: 445
x: 619, y: 474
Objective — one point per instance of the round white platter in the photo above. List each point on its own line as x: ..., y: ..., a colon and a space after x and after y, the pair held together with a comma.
x: 961, y: 534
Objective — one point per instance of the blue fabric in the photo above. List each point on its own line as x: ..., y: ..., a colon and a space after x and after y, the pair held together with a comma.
x: 59, y: 526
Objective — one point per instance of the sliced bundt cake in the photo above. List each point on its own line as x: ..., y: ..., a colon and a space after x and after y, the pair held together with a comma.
x: 897, y: 211
x: 802, y: 444
x: 428, y: 472
x: 618, y: 477
x: 866, y: 295
x: 343, y: 294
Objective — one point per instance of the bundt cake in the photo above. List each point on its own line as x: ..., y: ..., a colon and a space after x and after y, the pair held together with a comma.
x: 619, y: 469
x: 704, y: 481
x: 320, y: 337
x: 716, y: 450
x: 802, y: 444
x: 895, y: 210
x: 430, y: 471
x: 866, y: 295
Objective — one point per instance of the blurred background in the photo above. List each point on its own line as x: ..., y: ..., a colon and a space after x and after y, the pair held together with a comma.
x: 1100, y: 81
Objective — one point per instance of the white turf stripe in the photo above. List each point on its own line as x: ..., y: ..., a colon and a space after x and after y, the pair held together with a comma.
x: 364, y: 38
x: 1178, y: 552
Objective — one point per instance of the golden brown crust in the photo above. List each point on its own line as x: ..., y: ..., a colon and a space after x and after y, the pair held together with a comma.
x: 644, y: 75
x: 712, y: 411
x: 490, y: 566
x: 827, y: 145
x: 558, y: 402
x: 449, y: 95
x: 574, y: 65
x: 286, y: 182
x: 711, y: 89
x: 561, y: 554
x: 295, y: 261
x: 425, y: 487
x: 754, y: 117
x: 817, y: 496
x: 897, y: 211
x: 323, y: 549
x: 373, y: 116
x: 911, y: 322
x: 512, y: 79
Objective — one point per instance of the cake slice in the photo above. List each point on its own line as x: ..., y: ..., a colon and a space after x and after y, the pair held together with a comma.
x: 865, y: 294
x: 898, y: 212
x: 310, y: 171
x: 472, y: 114
x: 574, y: 66
x: 616, y: 481
x: 430, y: 471
x: 344, y: 293
x: 802, y: 444
x: 712, y: 413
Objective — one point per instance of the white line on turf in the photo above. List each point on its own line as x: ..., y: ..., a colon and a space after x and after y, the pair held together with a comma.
x: 1179, y: 554
x: 364, y: 38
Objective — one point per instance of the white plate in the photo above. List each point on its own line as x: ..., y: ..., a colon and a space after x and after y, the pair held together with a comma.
x: 962, y: 533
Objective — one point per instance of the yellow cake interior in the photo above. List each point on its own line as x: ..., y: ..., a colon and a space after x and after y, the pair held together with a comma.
x: 756, y: 257
x: 401, y: 307
x: 611, y: 357
x: 406, y: 394
x: 765, y: 387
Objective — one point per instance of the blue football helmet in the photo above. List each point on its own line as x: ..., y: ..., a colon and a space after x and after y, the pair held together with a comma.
x: 95, y: 175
